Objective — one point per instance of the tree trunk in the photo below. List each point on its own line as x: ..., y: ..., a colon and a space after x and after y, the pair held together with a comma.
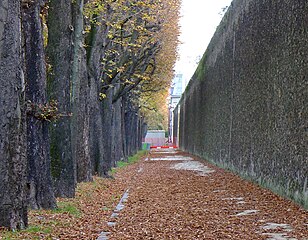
x: 96, y: 128
x: 79, y: 99
x: 59, y: 51
x: 107, y: 107
x: 39, y: 178
x: 97, y: 150
x: 117, y: 137
x: 123, y: 130
x: 131, y: 129
x: 13, y: 164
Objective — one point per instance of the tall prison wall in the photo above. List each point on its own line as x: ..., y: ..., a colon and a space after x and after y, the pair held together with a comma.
x: 245, y: 107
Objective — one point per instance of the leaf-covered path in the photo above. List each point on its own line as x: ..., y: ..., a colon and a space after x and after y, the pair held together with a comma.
x: 168, y: 201
x: 165, y: 201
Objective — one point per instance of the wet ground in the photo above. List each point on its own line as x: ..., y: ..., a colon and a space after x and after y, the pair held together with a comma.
x: 173, y: 195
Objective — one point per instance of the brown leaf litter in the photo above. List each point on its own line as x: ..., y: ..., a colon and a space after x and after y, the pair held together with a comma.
x: 169, y: 202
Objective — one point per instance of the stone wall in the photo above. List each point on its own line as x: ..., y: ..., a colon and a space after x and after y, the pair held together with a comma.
x: 246, y: 106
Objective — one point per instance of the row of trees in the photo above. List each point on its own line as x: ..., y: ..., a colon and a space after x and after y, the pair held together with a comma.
x: 77, y: 82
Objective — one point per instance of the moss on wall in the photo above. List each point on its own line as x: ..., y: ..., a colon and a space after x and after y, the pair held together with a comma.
x: 245, y: 107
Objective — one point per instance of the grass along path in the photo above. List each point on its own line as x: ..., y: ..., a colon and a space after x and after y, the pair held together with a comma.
x: 86, y: 215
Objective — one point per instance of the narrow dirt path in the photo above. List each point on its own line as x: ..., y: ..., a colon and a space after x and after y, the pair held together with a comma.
x: 165, y: 201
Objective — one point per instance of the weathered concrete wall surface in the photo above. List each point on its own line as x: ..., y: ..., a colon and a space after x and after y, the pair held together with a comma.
x: 246, y: 106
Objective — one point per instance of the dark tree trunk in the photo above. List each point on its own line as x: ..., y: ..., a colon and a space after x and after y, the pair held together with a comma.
x: 131, y: 128
x: 141, y: 132
x: 79, y: 100
x: 96, y: 125
x: 39, y: 179
x: 117, y: 134
x: 128, y: 139
x: 59, y: 51
x: 13, y: 164
x: 96, y: 129
x: 97, y: 149
x: 107, y: 112
x: 123, y: 129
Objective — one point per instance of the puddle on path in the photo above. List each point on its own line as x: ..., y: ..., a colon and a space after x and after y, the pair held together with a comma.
x: 171, y: 158
x: 278, y: 236
x: 164, y: 151
x: 247, y: 212
x: 103, y: 236
x: 239, y: 200
x: 193, y: 166
x: 285, y: 227
x: 187, y: 163
x: 281, y: 235
x: 234, y: 198
x: 219, y: 190
x: 111, y: 224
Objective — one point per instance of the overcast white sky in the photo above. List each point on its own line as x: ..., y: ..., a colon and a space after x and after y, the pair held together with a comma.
x: 198, y: 24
